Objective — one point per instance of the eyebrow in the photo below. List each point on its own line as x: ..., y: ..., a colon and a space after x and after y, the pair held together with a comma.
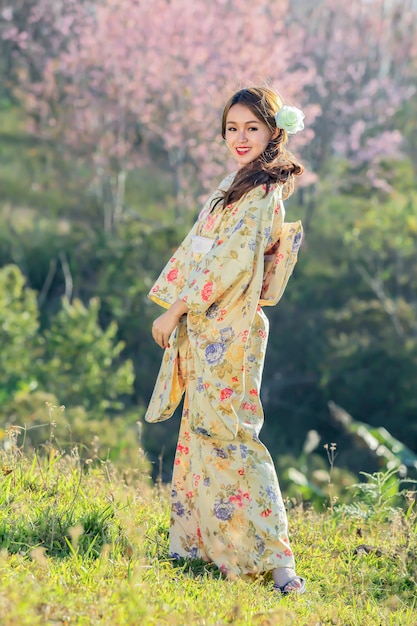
x: 250, y: 122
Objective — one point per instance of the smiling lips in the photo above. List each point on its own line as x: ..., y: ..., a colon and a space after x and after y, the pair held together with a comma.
x: 242, y: 150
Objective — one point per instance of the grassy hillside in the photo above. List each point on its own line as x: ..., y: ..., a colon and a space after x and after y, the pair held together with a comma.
x: 88, y: 545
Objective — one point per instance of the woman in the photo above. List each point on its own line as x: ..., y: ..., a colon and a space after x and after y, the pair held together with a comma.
x: 226, y: 503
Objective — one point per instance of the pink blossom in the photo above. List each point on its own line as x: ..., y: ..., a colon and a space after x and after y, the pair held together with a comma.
x: 239, y: 498
x: 225, y: 393
x: 183, y: 449
x: 172, y: 275
x: 207, y: 291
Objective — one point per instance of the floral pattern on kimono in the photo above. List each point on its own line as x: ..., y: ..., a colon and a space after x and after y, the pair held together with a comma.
x: 226, y: 504
x: 221, y: 288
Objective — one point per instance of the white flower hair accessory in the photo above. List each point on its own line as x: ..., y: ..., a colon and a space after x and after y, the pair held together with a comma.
x: 290, y: 119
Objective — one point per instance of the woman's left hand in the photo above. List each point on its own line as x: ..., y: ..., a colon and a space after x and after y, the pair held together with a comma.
x: 165, y: 323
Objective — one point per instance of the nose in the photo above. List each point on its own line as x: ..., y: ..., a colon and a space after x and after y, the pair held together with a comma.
x: 242, y: 135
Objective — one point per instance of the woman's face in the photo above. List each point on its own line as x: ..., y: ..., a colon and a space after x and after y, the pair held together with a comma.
x: 246, y: 136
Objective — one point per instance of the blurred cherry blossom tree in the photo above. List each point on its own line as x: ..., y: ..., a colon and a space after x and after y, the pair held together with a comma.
x: 141, y: 80
x: 122, y: 83
x: 364, y: 53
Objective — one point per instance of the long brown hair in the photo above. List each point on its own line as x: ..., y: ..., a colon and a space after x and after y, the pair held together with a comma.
x: 276, y: 164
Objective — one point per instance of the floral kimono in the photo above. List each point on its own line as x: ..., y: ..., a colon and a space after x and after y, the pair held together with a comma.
x: 226, y: 504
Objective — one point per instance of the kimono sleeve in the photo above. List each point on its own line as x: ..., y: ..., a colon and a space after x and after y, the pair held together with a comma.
x: 230, y: 263
x: 172, y: 278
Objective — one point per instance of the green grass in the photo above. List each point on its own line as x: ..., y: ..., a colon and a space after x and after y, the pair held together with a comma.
x: 85, y: 544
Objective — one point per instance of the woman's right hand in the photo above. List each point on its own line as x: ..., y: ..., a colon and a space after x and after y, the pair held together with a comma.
x: 165, y: 323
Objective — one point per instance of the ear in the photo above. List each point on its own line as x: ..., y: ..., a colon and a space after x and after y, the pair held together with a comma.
x: 275, y: 133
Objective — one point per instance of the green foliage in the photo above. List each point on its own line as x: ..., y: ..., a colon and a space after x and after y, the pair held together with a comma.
x: 313, y: 479
x: 376, y: 330
x: 381, y: 494
x: 81, y: 359
x: 19, y: 339
x: 123, y: 270
x: 75, y: 360
x: 390, y: 453
x: 345, y: 330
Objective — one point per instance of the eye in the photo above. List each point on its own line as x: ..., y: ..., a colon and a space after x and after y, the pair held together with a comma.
x: 253, y: 128
x: 231, y: 128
